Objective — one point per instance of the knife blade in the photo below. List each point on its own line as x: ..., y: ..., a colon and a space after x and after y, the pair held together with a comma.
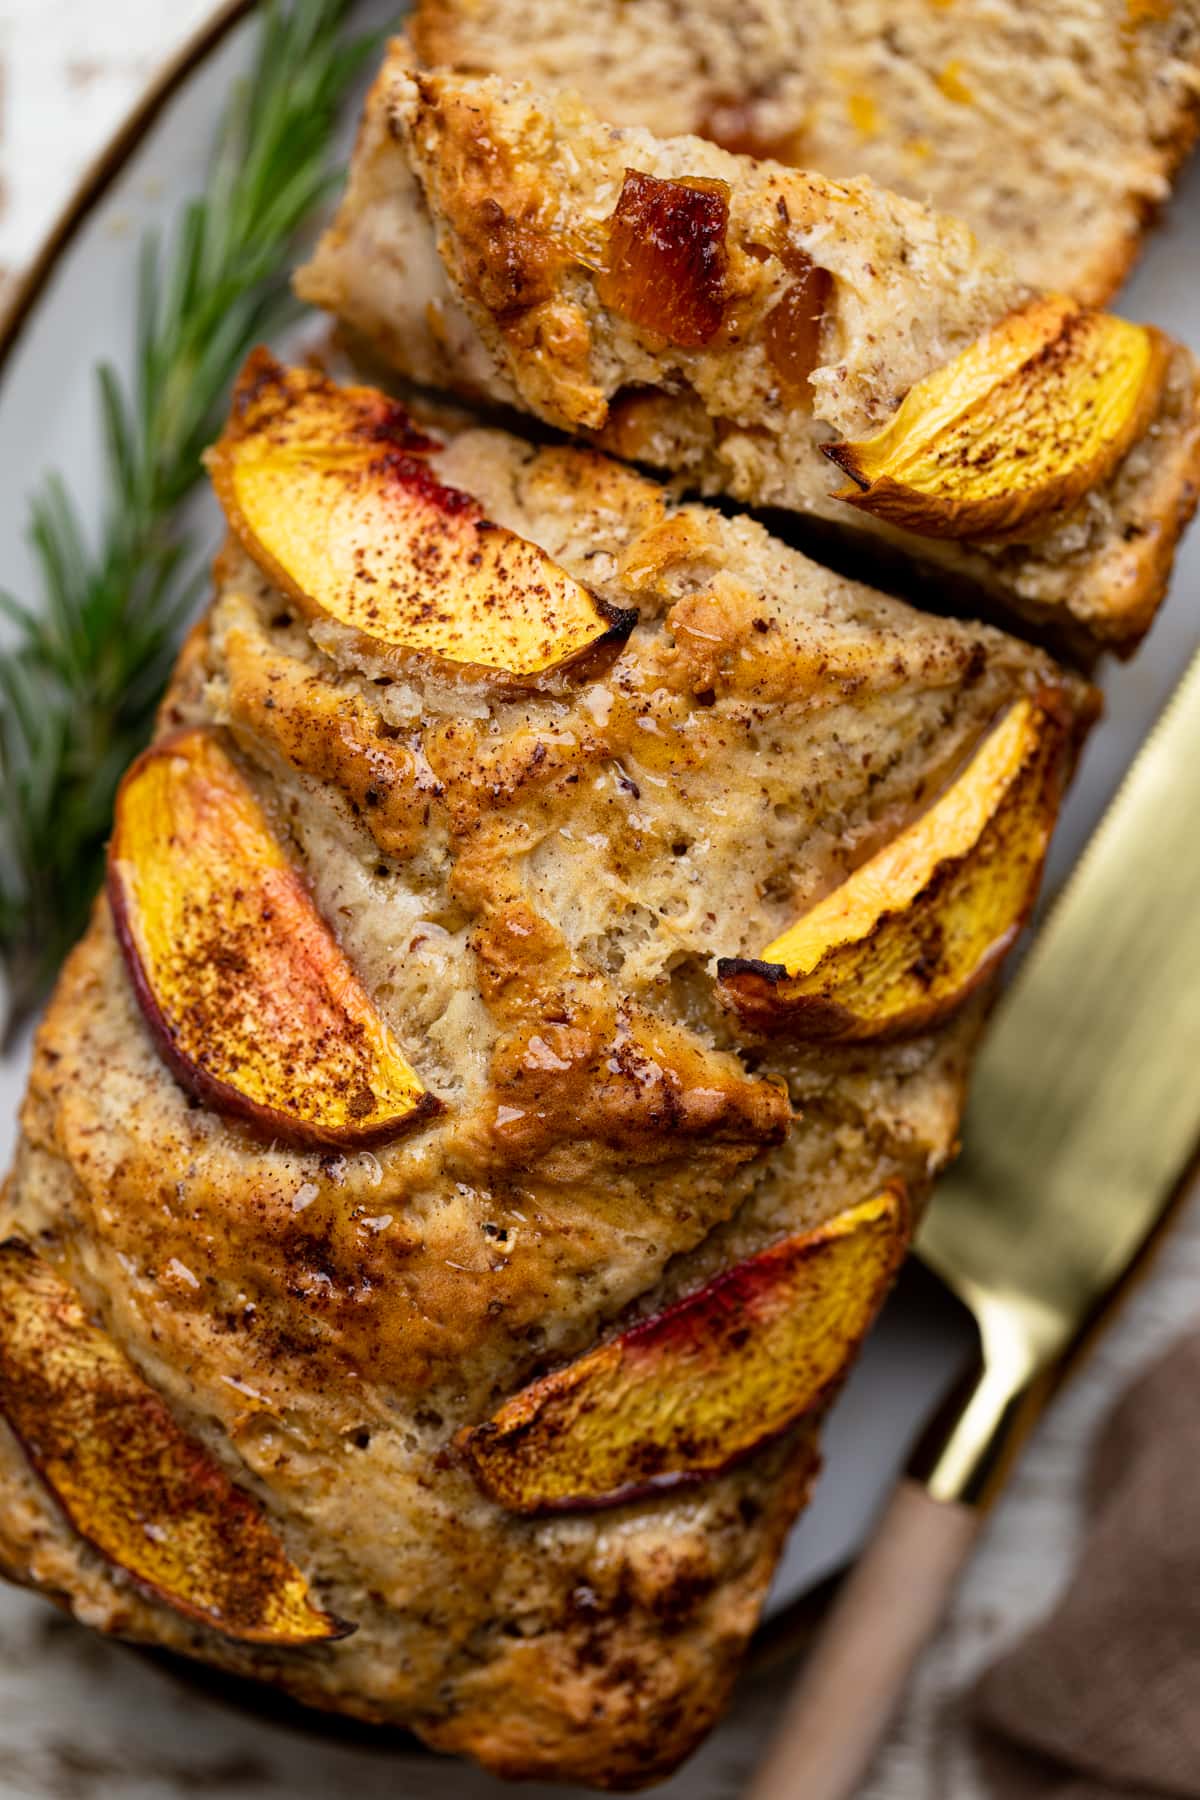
x: 1085, y: 1104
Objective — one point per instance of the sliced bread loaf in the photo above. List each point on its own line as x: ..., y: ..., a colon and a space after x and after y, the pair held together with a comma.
x: 734, y: 321
x: 337, y: 1314
x: 1053, y: 127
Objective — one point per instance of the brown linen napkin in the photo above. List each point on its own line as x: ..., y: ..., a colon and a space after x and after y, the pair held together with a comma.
x: 1103, y: 1699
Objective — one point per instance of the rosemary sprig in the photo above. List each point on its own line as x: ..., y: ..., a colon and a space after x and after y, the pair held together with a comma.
x: 80, y: 683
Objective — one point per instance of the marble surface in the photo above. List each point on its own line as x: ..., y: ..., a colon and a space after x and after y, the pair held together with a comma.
x: 85, y: 1720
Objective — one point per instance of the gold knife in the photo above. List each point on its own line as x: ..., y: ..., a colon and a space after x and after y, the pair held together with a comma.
x: 1083, y: 1118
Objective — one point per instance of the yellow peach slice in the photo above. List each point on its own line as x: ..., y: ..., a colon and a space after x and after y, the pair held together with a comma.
x: 251, y: 1001
x: 691, y: 1391
x: 149, y: 1498
x: 330, y: 490
x: 916, y: 928
x: 1021, y: 425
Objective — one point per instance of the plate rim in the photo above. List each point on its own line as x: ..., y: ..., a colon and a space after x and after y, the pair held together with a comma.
x: 108, y: 164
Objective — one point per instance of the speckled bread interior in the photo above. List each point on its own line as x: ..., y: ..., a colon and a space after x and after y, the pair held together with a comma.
x: 534, y: 888
x: 1052, y: 127
x: 439, y: 258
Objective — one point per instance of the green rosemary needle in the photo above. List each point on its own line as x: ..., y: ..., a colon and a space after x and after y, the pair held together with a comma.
x: 88, y: 660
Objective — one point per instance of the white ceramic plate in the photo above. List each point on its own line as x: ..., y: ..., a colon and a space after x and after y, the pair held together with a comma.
x: 139, y: 1734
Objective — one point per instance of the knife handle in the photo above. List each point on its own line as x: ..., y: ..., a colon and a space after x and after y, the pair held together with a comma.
x: 886, y: 1612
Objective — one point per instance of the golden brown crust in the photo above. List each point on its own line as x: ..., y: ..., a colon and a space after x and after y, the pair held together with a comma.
x: 533, y: 889
x: 1088, y: 115
x: 491, y: 210
x: 439, y: 35
x: 1136, y: 571
x: 281, y: 703
x: 672, y: 1640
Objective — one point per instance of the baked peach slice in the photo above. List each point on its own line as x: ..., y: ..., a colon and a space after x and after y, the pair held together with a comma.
x: 698, y: 1387
x: 149, y: 1498
x: 665, y: 266
x: 792, y: 329
x: 250, y: 999
x: 1020, y: 425
x: 329, y: 489
x: 915, y: 929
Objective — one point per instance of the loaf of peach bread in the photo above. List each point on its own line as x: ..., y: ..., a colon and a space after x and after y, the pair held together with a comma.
x: 540, y: 959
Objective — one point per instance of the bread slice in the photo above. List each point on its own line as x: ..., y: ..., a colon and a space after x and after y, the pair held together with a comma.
x: 533, y: 882
x: 1052, y: 127
x: 470, y: 250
